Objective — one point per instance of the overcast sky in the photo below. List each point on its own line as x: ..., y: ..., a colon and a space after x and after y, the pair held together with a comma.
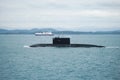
x: 82, y: 15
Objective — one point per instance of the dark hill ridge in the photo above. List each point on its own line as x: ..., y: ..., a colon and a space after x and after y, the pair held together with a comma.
x: 34, y: 30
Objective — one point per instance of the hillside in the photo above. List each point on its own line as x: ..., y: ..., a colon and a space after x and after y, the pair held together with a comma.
x: 32, y: 31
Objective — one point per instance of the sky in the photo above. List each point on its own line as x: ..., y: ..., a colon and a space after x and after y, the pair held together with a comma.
x: 81, y: 15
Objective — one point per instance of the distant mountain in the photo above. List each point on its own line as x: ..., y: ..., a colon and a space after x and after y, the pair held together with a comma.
x: 3, y: 31
x: 32, y: 31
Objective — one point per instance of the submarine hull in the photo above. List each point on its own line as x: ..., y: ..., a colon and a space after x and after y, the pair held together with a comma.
x: 66, y: 45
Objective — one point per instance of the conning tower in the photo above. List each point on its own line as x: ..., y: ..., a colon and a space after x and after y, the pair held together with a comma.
x: 58, y: 40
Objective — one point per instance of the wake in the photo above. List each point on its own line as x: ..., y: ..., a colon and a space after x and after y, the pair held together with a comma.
x: 113, y: 47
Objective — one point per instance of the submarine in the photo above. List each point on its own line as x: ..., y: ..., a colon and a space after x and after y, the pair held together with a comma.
x: 64, y: 42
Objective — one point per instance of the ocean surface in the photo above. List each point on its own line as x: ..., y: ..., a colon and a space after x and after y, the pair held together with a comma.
x: 20, y: 62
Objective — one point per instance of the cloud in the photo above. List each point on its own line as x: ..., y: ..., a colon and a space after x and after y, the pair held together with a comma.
x: 61, y: 13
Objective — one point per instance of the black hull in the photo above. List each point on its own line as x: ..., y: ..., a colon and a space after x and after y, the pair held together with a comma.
x: 66, y: 45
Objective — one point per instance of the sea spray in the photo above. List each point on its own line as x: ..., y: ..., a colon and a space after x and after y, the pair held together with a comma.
x: 25, y: 46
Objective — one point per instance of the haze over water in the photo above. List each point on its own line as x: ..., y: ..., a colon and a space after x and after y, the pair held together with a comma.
x: 19, y: 62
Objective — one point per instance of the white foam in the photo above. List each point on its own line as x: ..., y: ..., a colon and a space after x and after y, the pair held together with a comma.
x: 25, y: 46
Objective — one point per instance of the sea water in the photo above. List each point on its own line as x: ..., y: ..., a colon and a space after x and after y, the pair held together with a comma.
x: 18, y: 61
